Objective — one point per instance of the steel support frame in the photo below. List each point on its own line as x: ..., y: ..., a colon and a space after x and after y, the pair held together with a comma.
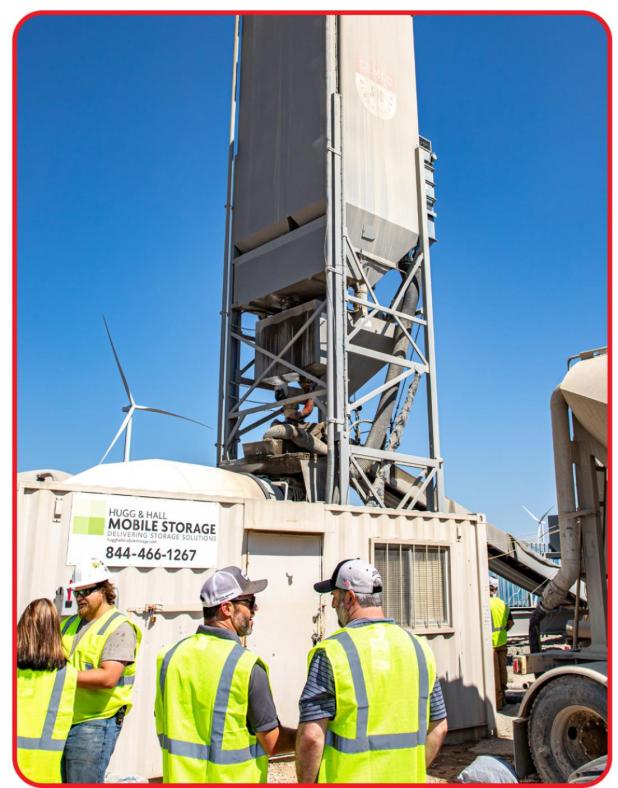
x: 341, y: 260
x: 235, y: 414
x: 431, y: 466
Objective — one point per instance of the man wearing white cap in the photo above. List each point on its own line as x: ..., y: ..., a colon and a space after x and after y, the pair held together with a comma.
x: 102, y: 644
x: 501, y: 622
x: 215, y: 716
x: 372, y: 708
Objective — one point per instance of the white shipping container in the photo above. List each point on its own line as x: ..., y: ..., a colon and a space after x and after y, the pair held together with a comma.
x: 435, y: 567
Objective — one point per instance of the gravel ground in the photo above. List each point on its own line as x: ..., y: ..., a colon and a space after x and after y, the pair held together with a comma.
x: 453, y: 757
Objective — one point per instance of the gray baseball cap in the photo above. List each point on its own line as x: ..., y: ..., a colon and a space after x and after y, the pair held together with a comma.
x: 228, y: 583
x: 352, y: 574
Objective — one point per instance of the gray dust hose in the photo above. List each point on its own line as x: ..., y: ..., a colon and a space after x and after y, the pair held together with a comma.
x: 569, y: 524
x: 557, y: 589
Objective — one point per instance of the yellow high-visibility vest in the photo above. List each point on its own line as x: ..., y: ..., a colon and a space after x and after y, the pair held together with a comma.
x: 95, y: 704
x: 201, y: 712
x: 44, y: 714
x: 383, y: 679
x: 499, y: 618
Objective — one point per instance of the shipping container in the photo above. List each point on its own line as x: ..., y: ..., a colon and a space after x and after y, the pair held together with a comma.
x: 434, y: 568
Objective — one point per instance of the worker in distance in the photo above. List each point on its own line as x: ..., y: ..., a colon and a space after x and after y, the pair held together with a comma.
x: 501, y: 622
x: 372, y: 709
x: 215, y: 715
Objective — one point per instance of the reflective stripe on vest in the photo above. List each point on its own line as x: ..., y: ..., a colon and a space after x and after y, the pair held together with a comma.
x: 45, y: 741
x: 213, y: 752
x: 67, y: 623
x: 362, y: 742
x: 123, y: 681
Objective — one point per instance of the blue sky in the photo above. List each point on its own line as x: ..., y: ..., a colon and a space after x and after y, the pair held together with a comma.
x: 123, y: 125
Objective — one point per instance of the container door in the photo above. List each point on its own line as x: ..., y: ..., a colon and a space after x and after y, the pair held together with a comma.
x: 288, y: 620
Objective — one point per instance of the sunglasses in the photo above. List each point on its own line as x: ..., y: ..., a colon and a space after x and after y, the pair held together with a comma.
x: 249, y: 601
x: 84, y: 592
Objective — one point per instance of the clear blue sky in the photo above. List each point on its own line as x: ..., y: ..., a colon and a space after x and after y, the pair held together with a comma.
x: 123, y: 125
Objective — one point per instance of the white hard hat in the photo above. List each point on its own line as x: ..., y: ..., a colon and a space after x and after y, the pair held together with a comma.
x: 493, y: 582
x: 88, y: 573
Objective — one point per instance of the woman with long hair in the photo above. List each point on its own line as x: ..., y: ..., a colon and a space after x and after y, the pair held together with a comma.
x: 45, y: 693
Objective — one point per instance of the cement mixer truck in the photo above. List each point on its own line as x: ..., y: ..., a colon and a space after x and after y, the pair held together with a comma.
x: 561, y: 730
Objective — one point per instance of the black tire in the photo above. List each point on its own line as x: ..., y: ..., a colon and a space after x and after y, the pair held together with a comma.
x: 567, y: 726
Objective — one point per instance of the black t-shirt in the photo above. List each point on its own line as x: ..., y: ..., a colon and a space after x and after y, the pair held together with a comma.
x: 261, y: 712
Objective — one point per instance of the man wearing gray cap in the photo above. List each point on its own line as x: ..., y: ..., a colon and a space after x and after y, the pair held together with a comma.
x: 372, y: 709
x: 215, y: 715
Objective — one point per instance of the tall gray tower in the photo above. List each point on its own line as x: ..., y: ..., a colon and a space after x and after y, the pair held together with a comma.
x: 327, y: 285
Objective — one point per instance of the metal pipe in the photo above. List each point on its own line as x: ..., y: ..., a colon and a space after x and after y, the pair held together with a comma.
x: 577, y: 600
x: 569, y: 523
x: 330, y: 373
x: 226, y: 298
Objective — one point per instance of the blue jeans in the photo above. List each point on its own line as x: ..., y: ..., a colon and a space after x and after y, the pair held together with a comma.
x: 88, y: 750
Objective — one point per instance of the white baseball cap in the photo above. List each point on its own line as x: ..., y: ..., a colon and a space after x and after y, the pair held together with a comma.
x: 352, y: 574
x: 228, y: 583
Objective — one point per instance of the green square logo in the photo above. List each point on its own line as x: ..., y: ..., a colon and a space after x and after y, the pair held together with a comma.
x: 89, y: 518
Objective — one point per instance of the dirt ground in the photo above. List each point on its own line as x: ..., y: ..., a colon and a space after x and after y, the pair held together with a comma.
x: 453, y: 757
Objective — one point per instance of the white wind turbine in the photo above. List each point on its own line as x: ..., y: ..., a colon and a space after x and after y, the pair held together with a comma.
x: 130, y: 409
x: 541, y: 523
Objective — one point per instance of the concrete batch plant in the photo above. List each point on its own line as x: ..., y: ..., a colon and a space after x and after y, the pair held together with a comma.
x: 327, y: 290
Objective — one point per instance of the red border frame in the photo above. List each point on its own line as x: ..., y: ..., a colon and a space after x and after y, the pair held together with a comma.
x: 14, y: 365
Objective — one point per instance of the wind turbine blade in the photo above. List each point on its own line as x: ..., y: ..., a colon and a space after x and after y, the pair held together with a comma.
x: 544, y: 515
x: 118, y: 364
x: 123, y: 426
x: 534, y: 517
x: 169, y: 413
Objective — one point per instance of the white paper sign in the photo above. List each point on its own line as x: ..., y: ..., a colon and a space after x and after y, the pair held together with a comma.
x: 122, y: 530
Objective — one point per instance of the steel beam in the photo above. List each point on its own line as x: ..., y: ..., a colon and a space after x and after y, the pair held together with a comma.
x: 226, y: 297
x: 439, y: 501
x: 395, y: 456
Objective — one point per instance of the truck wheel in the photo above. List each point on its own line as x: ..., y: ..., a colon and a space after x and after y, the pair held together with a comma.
x: 567, y: 726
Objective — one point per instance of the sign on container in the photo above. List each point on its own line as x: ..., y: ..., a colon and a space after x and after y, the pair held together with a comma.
x: 123, y: 530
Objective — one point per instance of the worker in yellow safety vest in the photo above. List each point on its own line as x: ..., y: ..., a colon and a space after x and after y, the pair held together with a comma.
x: 215, y: 716
x: 45, y: 693
x: 372, y: 709
x: 501, y: 622
x: 102, y: 644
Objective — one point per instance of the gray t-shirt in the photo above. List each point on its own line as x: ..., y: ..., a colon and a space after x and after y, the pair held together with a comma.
x: 120, y: 645
x: 261, y: 712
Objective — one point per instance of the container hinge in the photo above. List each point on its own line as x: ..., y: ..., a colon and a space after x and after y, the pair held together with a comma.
x: 57, y: 512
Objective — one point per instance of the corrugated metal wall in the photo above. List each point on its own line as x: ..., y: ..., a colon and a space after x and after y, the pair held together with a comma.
x: 463, y: 652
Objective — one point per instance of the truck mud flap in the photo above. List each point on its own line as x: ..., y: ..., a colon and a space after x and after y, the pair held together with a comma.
x: 523, y: 760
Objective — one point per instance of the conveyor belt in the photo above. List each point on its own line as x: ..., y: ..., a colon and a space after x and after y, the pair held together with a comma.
x: 508, y: 556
